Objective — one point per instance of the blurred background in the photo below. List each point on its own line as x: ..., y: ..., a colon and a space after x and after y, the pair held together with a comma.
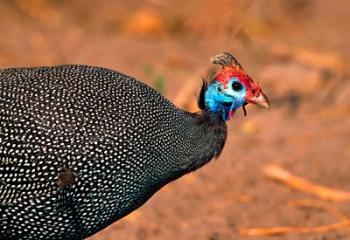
x: 298, y: 50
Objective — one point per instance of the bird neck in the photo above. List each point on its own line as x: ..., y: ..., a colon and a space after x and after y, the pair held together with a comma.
x: 210, y: 137
x: 199, y: 138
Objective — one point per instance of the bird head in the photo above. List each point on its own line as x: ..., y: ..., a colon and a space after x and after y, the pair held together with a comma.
x: 231, y: 88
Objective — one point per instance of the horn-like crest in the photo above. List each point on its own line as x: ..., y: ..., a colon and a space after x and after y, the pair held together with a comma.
x: 225, y: 59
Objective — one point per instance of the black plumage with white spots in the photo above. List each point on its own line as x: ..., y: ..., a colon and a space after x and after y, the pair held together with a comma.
x: 81, y: 147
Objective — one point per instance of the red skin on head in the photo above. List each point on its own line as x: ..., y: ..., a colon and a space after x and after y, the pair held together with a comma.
x: 228, y: 72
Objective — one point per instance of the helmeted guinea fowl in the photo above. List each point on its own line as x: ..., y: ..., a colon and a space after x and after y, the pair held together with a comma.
x: 82, y: 146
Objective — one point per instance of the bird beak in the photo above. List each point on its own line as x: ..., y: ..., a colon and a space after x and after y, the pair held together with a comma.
x: 260, y: 100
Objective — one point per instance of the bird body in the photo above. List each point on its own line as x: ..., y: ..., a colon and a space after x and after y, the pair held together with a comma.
x: 82, y: 146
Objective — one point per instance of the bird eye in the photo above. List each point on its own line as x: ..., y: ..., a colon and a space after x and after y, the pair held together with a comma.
x: 219, y: 89
x: 237, y: 86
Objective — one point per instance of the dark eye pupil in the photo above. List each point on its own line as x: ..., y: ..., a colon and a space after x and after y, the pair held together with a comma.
x: 237, y: 86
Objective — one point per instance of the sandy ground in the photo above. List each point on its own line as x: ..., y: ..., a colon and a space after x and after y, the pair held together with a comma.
x: 297, y: 50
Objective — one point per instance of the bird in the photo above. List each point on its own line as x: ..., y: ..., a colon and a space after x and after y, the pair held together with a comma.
x: 82, y: 146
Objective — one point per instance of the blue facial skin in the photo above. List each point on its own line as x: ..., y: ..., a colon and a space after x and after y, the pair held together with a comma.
x: 219, y: 99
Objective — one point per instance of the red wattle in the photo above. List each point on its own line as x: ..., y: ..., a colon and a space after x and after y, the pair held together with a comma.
x: 231, y: 113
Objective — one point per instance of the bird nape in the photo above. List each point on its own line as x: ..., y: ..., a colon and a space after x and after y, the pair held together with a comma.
x: 82, y: 146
